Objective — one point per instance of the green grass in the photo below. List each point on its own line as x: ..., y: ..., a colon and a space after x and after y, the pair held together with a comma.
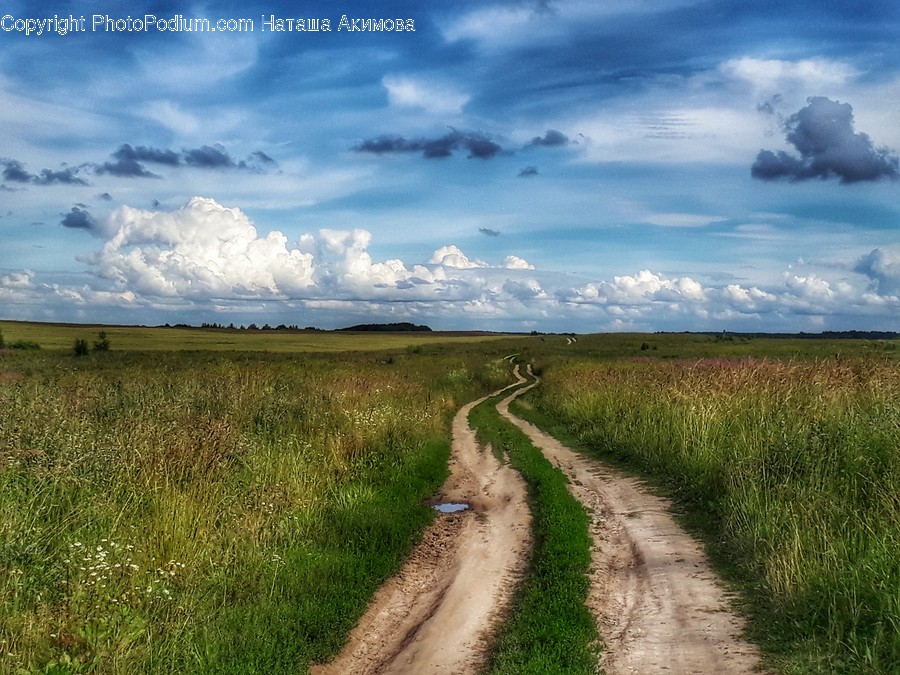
x: 549, y: 629
x: 212, y: 512
x: 63, y: 336
x: 180, y: 505
x: 792, y: 467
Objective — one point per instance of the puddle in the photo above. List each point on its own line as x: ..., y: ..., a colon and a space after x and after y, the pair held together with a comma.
x: 450, y: 507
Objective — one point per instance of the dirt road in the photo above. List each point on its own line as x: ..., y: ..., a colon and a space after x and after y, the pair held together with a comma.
x: 658, y: 605
x: 436, y: 615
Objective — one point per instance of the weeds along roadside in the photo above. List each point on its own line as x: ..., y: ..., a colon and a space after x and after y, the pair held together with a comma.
x: 548, y: 629
x: 792, y: 469
x: 204, y: 512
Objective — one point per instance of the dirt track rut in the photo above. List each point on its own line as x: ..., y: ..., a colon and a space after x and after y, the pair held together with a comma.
x: 437, y: 614
x: 658, y: 606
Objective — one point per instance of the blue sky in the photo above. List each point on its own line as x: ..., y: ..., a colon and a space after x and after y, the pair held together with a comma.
x: 559, y: 166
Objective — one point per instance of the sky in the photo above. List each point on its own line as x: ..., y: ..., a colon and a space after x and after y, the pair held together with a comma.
x: 559, y: 166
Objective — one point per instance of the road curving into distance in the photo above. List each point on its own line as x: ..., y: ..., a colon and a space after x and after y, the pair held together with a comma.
x: 658, y: 605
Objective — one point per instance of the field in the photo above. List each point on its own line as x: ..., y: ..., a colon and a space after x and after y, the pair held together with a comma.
x: 227, y: 501
x: 791, y: 467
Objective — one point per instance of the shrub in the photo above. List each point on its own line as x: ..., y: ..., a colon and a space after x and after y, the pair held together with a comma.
x: 81, y: 347
x: 102, y: 342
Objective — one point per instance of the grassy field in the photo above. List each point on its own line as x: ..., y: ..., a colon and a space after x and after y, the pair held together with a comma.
x: 210, y: 511
x: 62, y: 337
x: 227, y: 501
x: 792, y: 468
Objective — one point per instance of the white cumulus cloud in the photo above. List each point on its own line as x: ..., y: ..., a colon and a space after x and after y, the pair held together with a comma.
x: 203, y: 249
x: 452, y: 256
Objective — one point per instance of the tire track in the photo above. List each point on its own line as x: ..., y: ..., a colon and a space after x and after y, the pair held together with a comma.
x: 437, y: 615
x: 658, y: 605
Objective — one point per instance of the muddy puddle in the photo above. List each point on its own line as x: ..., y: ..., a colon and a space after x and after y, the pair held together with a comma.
x: 451, y: 507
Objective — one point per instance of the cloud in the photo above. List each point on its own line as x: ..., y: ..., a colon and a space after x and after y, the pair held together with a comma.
x: 209, y: 157
x: 67, y: 176
x: 489, y: 232
x: 512, y: 262
x: 452, y: 256
x: 80, y: 219
x: 257, y: 161
x: 128, y: 161
x: 822, y: 133
x: 882, y: 267
x: 14, y: 171
x: 528, y: 172
x: 551, y: 139
x: 435, y: 98
x: 776, y: 74
x: 681, y: 219
x: 125, y: 167
x: 201, y: 250
x: 143, y: 153
x: 478, y: 144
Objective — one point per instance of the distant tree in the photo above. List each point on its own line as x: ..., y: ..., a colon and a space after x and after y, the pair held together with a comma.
x: 81, y: 347
x: 101, y: 344
x: 2, y: 344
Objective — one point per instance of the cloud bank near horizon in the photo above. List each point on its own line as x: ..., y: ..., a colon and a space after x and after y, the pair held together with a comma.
x: 202, y: 256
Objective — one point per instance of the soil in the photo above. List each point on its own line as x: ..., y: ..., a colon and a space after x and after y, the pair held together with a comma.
x: 437, y: 614
x: 658, y: 605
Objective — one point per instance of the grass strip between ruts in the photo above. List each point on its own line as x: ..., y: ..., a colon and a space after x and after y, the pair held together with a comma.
x: 549, y: 628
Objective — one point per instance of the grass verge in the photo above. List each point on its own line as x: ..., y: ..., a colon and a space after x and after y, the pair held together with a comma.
x: 549, y: 629
x: 211, y: 512
x: 790, y: 470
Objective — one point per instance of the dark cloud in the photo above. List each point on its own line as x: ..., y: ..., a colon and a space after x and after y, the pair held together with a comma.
x: 142, y: 153
x: 209, y: 157
x: 489, y: 232
x: 129, y: 161
x: 79, y: 219
x: 125, y: 168
x: 883, y: 269
x: 478, y: 145
x: 257, y: 161
x: 14, y: 171
x: 551, y: 139
x: 528, y: 171
x: 260, y: 157
x: 106, y: 197
x: 65, y: 176
x: 822, y: 133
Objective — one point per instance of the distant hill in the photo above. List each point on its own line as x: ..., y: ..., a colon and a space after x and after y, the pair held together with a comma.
x: 402, y: 327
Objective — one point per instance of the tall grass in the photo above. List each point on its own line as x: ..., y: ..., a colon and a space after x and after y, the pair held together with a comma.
x: 549, y: 628
x: 796, y: 468
x: 211, y: 513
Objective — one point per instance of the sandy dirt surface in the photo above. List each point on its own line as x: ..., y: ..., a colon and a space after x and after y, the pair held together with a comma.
x: 659, y: 607
x: 437, y: 614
